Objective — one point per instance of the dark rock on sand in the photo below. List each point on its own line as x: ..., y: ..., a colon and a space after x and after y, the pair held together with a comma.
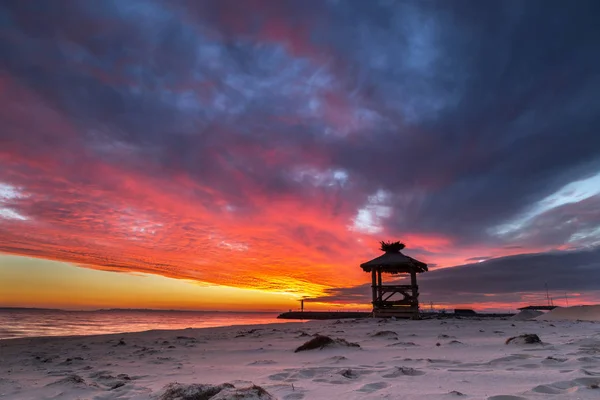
x: 69, y: 380
x: 250, y: 393
x: 321, y: 341
x: 178, y: 391
x: 527, y: 338
x: 225, y: 391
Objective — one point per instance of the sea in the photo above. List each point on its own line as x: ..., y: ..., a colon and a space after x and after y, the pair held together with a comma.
x: 19, y: 323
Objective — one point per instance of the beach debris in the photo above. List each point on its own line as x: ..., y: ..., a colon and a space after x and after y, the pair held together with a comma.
x: 321, y: 341
x: 336, y: 359
x: 121, y: 343
x: 402, y: 344
x: 348, y: 373
x: 403, y: 371
x: 253, y: 392
x: 117, y: 385
x: 444, y: 336
x: 44, y: 359
x: 456, y: 393
x: 224, y: 391
x: 196, y: 391
x: 263, y: 362
x: 438, y: 344
x: 385, y: 334
x: 69, y: 380
x: 247, y: 332
x: 527, y: 338
x: 556, y: 359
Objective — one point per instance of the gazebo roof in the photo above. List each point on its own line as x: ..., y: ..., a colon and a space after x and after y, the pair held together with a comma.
x: 393, y: 261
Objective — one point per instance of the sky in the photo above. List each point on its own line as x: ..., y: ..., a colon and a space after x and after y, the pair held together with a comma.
x: 246, y: 154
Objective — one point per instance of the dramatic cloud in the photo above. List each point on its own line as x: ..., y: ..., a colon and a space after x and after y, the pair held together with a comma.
x: 270, y: 144
x: 497, y: 282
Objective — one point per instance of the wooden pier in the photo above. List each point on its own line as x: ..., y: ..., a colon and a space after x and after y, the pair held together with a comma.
x: 324, y: 315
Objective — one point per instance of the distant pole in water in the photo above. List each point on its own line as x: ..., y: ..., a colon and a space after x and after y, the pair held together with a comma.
x: 547, y: 295
x: 566, y: 299
x: 302, y: 305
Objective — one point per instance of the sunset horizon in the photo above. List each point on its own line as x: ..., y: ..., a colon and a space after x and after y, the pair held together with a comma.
x: 299, y: 199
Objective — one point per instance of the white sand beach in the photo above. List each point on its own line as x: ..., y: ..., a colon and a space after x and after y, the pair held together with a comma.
x: 427, y: 359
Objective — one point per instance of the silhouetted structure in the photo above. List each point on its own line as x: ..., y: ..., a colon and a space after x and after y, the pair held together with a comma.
x: 464, y: 311
x: 394, y: 262
x: 537, y: 308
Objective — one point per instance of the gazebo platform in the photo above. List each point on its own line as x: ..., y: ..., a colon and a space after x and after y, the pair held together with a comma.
x: 394, y: 300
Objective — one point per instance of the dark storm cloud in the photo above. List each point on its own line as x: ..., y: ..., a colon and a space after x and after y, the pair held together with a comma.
x: 465, y: 112
x: 503, y: 279
x: 507, y: 103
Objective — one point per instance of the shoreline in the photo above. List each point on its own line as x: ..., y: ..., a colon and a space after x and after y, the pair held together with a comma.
x: 149, y: 331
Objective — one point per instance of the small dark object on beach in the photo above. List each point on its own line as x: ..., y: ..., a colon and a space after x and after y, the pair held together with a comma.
x: 121, y: 343
x: 117, y: 385
x: 321, y: 341
x: 70, y: 379
x: 250, y: 393
x: 178, y: 391
x: 527, y: 338
x: 456, y: 393
x: 438, y: 344
x: 318, y: 342
x: 384, y: 333
x: 348, y: 373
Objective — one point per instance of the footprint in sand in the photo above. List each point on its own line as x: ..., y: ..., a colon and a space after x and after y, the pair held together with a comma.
x: 335, y: 359
x: 567, y: 387
x: 280, y: 376
x: 263, y: 362
x: 403, y: 371
x: 293, y: 396
x: 402, y: 344
x: 373, y: 387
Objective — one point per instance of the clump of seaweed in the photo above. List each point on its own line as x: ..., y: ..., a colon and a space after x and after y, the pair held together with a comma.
x: 322, y: 341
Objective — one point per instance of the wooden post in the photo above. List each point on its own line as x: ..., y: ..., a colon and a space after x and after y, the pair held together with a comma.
x: 379, y: 283
x: 374, y: 286
x: 415, y: 290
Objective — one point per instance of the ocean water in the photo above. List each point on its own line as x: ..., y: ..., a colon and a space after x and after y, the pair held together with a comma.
x: 18, y: 323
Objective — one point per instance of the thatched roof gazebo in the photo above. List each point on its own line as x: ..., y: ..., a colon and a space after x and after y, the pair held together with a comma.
x: 394, y: 262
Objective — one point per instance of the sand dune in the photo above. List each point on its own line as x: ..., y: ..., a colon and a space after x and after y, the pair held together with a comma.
x: 575, y: 313
x: 430, y: 359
